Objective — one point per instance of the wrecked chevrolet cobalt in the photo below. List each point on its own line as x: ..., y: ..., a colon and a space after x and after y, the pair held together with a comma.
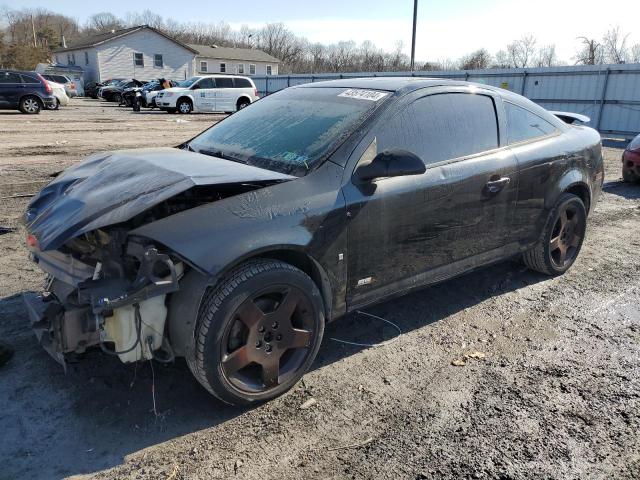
x: 235, y: 248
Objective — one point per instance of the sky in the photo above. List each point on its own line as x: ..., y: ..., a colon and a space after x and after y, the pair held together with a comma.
x: 446, y: 28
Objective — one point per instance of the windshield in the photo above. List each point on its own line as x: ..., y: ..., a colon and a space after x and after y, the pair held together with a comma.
x: 290, y: 131
x: 189, y: 82
x: 150, y: 85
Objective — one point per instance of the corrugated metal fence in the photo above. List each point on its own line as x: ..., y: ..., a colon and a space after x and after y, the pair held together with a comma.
x: 609, y: 94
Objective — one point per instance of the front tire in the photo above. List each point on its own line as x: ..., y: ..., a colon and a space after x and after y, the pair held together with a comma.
x: 561, y: 239
x: 257, y: 332
x: 184, y: 106
x: 30, y: 105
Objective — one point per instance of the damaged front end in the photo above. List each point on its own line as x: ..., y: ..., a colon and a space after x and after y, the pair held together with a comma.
x: 106, y: 290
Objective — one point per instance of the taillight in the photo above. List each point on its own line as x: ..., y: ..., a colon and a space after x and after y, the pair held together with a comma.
x: 32, y: 241
x: 72, y: 85
x: 255, y: 92
x: 47, y: 87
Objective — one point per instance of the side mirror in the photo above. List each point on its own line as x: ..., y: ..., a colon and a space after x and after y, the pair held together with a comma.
x: 390, y: 163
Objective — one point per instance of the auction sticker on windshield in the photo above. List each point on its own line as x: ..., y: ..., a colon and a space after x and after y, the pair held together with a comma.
x: 361, y: 94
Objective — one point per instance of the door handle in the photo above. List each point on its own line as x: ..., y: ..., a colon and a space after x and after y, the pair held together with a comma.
x: 495, y: 186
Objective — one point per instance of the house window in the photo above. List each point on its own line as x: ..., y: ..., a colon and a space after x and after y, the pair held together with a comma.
x: 57, y: 59
x: 268, y: 69
x: 157, y: 60
x: 86, y: 58
x: 223, y: 68
x: 138, y: 60
x: 252, y: 69
x: 71, y: 58
x: 204, y: 67
x: 241, y: 68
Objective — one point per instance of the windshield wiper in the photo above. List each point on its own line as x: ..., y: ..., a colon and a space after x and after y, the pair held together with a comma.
x: 220, y: 154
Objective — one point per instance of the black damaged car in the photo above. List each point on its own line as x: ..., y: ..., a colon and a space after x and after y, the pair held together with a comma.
x: 234, y: 249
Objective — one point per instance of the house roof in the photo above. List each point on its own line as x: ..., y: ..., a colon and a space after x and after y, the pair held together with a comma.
x: 100, y: 38
x: 230, y: 53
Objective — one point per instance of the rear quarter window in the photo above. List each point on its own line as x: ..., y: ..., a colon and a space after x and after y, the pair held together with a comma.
x: 523, y: 125
x: 443, y: 127
x: 29, y: 79
x: 241, y: 83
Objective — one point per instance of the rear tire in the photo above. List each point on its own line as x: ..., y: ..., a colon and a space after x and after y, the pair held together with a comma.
x: 257, y: 332
x: 562, y: 238
x: 116, y: 98
x: 30, y: 105
x: 243, y: 104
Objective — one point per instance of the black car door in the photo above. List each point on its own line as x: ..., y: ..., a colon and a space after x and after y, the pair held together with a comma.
x: 11, y: 89
x: 407, y: 231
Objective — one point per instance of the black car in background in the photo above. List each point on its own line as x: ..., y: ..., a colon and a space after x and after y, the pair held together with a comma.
x: 234, y: 249
x: 91, y: 89
x: 25, y: 91
x: 113, y: 92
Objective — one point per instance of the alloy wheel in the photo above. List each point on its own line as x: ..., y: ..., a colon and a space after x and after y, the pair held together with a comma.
x: 31, y: 105
x: 567, y: 235
x: 269, y: 339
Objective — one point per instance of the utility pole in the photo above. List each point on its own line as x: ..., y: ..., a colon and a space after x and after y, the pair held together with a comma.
x: 413, y: 37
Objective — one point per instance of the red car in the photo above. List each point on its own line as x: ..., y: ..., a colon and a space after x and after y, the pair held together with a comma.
x: 631, y: 161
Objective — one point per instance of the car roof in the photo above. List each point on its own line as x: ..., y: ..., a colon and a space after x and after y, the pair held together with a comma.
x: 392, y: 84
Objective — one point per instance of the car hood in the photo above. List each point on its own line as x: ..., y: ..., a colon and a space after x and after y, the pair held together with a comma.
x: 112, y: 187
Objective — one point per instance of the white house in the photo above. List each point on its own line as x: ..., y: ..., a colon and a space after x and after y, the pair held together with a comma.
x: 240, y: 61
x: 139, y: 52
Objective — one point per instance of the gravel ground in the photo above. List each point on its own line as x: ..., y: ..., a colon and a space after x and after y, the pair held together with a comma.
x: 556, y: 394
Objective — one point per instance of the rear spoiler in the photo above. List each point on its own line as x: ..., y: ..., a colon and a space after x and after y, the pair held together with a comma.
x: 570, y: 117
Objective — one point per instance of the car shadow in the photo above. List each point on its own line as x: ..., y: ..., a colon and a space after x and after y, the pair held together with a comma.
x: 102, y: 410
x: 630, y: 191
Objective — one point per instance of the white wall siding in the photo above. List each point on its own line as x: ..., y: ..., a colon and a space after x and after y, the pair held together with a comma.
x: 213, y: 65
x: 116, y: 57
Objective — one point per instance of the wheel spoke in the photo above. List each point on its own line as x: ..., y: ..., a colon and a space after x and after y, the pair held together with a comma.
x: 271, y: 372
x: 249, y: 313
x: 575, y: 241
x: 289, y: 304
x: 300, y: 338
x: 555, y: 243
x: 563, y: 255
x: 563, y: 219
x: 236, y: 360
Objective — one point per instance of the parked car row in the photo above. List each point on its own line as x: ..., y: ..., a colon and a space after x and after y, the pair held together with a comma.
x: 202, y: 93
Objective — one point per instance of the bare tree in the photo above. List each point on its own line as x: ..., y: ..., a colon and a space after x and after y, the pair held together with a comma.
x: 615, y: 45
x: 501, y: 60
x: 522, y: 51
x: 635, y: 53
x: 546, y: 56
x: 103, y: 22
x: 590, y: 53
x: 476, y: 60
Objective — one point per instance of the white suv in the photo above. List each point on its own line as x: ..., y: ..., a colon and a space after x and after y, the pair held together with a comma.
x: 208, y: 93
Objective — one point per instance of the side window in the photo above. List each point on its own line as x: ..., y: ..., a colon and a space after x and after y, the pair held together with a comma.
x: 138, y: 59
x: 29, y: 79
x: 157, y: 60
x: 9, y: 77
x: 523, y: 125
x: 269, y: 70
x: 224, y: 82
x: 86, y: 58
x: 241, y: 83
x: 204, y: 66
x: 443, y: 126
x: 223, y: 68
x: 252, y: 69
x: 241, y: 68
x: 207, y: 83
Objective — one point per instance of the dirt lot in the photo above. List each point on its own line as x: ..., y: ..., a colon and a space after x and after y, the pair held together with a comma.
x: 557, y: 395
